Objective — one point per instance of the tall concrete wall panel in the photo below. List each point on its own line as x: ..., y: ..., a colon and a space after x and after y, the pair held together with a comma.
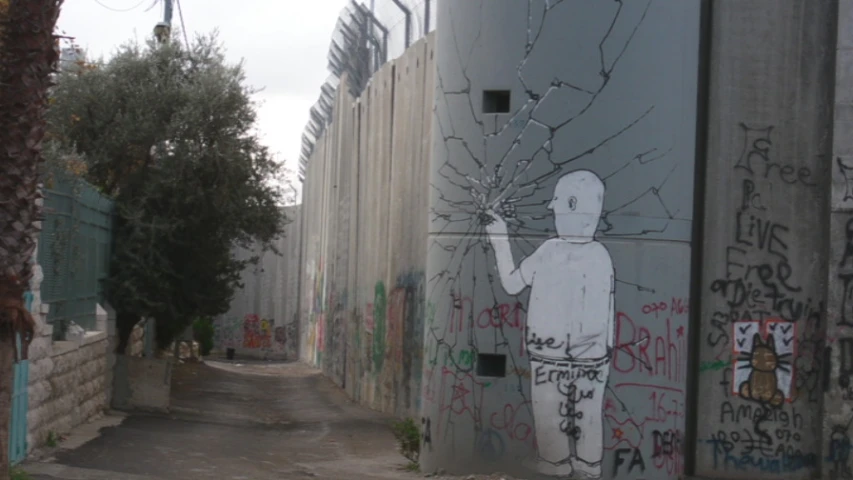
x: 498, y: 239
x: 764, y: 269
x: 365, y: 206
x: 838, y: 407
x: 263, y: 317
x: 558, y: 266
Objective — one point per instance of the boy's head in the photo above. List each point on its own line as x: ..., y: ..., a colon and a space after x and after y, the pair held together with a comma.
x: 577, y: 204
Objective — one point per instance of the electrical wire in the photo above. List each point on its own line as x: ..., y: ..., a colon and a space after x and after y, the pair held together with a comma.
x: 183, y: 26
x: 99, y: 2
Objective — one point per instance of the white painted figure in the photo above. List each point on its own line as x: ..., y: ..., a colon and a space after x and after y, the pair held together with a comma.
x: 569, y: 328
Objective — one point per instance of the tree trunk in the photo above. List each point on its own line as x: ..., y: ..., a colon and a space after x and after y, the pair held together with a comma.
x: 7, y: 382
x: 125, y: 323
x: 28, y: 57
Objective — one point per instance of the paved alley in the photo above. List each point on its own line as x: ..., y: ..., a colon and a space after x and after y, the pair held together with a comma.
x: 240, y: 421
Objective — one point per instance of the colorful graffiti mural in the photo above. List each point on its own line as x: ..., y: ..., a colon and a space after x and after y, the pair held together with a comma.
x: 254, y: 333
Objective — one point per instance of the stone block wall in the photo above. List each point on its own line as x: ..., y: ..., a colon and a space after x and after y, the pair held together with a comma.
x: 68, y: 380
x: 68, y: 387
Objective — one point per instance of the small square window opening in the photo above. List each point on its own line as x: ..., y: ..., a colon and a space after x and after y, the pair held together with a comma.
x: 491, y: 365
x: 496, y: 101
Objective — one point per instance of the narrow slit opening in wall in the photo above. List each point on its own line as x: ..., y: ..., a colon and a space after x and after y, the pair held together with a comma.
x: 496, y: 101
x: 491, y: 365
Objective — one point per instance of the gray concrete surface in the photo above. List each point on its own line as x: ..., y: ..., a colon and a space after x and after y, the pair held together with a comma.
x: 238, y: 421
x: 262, y: 321
x: 365, y: 210
x: 837, y: 407
x: 603, y: 87
x: 770, y: 114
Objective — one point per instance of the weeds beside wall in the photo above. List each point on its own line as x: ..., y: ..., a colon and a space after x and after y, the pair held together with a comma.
x: 365, y: 207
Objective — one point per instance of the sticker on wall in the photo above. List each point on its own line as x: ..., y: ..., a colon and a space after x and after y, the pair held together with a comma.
x: 763, y: 371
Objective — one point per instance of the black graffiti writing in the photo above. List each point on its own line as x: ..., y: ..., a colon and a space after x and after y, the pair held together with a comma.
x: 749, y: 197
x: 426, y: 427
x: 720, y: 332
x: 756, y: 158
x: 537, y: 343
x: 845, y: 367
x: 749, y: 443
x: 754, y: 231
x: 786, y: 435
x: 543, y: 374
x: 726, y: 381
x: 574, y: 394
x: 667, y: 443
x: 761, y: 286
x: 567, y: 424
x: 729, y: 414
x: 636, y: 460
x: 846, y: 317
x: 721, y: 322
x: 848, y: 244
x: 846, y: 277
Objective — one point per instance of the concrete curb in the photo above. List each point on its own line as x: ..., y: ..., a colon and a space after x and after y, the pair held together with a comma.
x: 72, y: 473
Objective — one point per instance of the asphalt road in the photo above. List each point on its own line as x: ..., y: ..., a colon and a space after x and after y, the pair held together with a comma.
x: 249, y: 421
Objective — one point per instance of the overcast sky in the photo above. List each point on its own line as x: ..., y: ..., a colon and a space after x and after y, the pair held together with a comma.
x: 283, y: 42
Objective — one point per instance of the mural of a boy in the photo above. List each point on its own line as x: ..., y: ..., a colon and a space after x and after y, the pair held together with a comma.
x: 569, y: 330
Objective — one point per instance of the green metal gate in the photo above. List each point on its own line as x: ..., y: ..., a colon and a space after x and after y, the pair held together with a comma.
x: 20, y: 402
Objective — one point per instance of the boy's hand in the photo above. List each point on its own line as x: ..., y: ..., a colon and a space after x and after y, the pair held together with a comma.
x: 496, y: 225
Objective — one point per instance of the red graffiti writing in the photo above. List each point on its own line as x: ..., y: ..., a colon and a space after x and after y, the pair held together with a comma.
x: 637, y: 350
x: 503, y: 316
x: 676, y: 306
x: 460, y: 394
x: 460, y: 309
x: 621, y: 427
x: 511, y: 420
x: 664, y: 404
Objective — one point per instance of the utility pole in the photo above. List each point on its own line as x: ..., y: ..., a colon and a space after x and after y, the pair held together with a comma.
x: 163, y: 30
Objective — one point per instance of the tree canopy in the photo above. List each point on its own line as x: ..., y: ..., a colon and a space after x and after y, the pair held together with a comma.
x: 169, y: 134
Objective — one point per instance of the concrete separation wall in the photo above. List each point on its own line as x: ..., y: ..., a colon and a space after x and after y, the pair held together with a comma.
x: 365, y: 204
x: 838, y: 397
x: 560, y: 238
x: 764, y: 276
x: 262, y: 321
x: 568, y: 316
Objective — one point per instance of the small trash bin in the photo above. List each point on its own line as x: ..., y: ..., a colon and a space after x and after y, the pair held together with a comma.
x: 229, y: 353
